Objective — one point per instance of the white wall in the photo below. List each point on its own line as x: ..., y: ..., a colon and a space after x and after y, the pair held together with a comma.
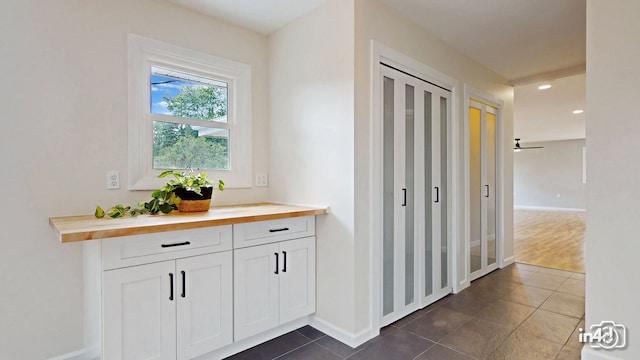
x: 375, y: 20
x: 312, y: 142
x: 550, y: 177
x: 63, y: 107
x: 613, y: 169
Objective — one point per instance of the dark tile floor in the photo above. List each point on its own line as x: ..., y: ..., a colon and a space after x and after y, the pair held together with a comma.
x: 520, y: 312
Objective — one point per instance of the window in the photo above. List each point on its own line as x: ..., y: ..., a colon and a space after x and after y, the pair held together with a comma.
x: 187, y: 110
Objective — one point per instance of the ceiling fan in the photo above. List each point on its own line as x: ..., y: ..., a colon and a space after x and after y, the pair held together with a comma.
x: 520, y: 148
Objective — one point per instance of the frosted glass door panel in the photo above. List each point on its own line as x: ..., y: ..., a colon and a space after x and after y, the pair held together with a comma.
x: 490, y: 187
x: 428, y: 211
x: 442, y: 196
x: 409, y: 191
x: 475, y: 185
x: 388, y: 242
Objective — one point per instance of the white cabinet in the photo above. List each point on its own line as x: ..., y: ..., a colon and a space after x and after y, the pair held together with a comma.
x: 273, y: 284
x: 139, y: 317
x: 172, y: 309
x: 187, y: 293
x: 204, y: 304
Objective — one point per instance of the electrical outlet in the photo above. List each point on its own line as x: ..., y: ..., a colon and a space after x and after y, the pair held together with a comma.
x: 262, y: 179
x: 113, y: 180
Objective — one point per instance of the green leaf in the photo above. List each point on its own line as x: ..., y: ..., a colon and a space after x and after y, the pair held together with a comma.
x: 99, y: 213
x: 221, y: 185
x: 166, y: 208
x: 165, y: 173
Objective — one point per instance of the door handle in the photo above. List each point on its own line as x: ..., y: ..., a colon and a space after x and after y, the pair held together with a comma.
x: 184, y: 284
x: 487, y: 188
x: 437, y: 194
x: 404, y: 201
x: 284, y: 267
x: 277, y: 266
x: 170, y: 286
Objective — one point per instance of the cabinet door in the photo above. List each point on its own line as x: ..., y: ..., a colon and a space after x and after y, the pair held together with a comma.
x: 256, y: 271
x: 297, y: 278
x: 204, y: 306
x: 139, y: 312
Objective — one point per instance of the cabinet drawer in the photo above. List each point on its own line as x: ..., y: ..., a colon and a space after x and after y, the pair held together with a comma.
x: 264, y: 232
x: 140, y: 249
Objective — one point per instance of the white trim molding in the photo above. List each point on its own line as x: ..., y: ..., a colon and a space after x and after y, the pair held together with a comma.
x: 547, y: 208
x: 345, y: 337
x: 145, y: 53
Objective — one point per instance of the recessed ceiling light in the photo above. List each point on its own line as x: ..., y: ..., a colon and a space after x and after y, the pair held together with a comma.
x: 544, y: 87
x: 579, y: 111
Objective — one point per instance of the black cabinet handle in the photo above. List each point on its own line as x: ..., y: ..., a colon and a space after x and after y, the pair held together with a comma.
x: 437, y: 194
x: 278, y: 230
x: 184, y: 284
x: 404, y: 195
x: 176, y: 244
x: 487, y: 188
x: 284, y: 255
x: 171, y: 286
x: 277, y: 266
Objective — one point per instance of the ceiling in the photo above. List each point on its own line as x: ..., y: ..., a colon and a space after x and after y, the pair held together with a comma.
x: 545, y: 115
x: 263, y: 16
x: 525, y: 41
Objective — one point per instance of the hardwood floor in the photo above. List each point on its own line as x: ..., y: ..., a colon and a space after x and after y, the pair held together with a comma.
x: 553, y: 239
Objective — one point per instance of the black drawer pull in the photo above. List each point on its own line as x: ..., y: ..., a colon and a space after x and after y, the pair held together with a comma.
x: 277, y: 266
x: 176, y: 244
x: 284, y: 255
x: 278, y: 230
x: 171, y: 286
x: 184, y: 284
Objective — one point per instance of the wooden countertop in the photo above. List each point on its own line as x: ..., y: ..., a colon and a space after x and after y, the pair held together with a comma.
x: 88, y: 227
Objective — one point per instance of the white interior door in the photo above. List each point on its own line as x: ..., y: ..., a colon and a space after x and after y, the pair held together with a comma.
x: 415, y: 247
x: 483, y: 154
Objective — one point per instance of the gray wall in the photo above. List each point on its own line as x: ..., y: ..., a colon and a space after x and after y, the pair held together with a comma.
x: 540, y: 175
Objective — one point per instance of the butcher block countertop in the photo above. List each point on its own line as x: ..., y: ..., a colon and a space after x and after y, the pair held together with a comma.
x: 88, y: 227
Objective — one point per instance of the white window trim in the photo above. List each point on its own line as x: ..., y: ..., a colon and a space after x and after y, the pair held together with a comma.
x: 144, y: 53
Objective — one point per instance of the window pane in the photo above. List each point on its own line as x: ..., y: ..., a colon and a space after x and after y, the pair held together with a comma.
x: 184, y: 95
x: 182, y: 146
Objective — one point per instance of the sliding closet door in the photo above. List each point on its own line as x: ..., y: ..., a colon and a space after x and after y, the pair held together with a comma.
x: 400, y: 266
x: 415, y: 246
x: 483, y: 137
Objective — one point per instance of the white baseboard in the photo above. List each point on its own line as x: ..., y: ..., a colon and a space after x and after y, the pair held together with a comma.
x: 545, y: 208
x: 345, y: 337
x: 252, y: 341
x: 83, y: 354
x: 508, y: 261
x: 589, y: 353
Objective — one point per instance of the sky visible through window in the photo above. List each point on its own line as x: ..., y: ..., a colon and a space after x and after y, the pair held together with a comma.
x: 164, y: 87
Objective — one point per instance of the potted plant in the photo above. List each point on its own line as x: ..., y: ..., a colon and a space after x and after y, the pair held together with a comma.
x: 188, y: 191
x: 193, y: 190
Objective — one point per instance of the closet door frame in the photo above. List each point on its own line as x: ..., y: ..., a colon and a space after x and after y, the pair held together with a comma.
x: 415, y: 196
x: 473, y: 95
x: 383, y: 54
